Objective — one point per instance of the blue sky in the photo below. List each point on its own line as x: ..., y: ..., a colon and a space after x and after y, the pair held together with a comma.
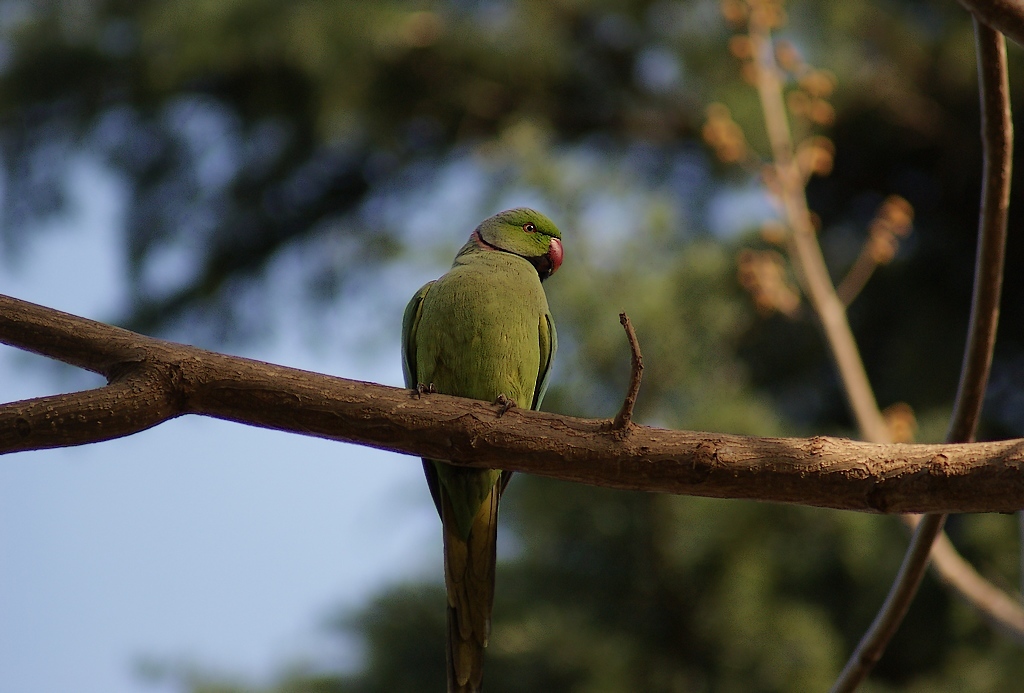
x: 199, y: 541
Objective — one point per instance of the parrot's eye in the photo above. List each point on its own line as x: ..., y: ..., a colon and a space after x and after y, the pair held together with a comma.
x: 529, y: 228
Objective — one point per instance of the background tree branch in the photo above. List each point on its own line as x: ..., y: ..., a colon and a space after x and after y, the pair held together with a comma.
x: 997, y: 140
x: 806, y: 255
x: 803, y: 244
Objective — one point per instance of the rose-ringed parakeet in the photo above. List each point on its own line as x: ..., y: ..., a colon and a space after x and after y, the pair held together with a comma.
x: 483, y: 330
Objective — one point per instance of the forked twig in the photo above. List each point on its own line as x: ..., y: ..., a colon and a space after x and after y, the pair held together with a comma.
x: 997, y: 141
x: 625, y: 415
x: 803, y: 243
x: 892, y: 221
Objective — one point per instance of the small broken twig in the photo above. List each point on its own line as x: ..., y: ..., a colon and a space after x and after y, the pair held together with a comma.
x: 625, y: 415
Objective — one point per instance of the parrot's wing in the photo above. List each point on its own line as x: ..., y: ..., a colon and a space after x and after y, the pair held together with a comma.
x: 548, y: 346
x: 410, y: 325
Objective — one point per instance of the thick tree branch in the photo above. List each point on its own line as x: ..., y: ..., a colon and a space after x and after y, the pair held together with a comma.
x: 154, y: 380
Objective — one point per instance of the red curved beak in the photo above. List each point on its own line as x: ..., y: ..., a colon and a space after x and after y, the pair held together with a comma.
x: 555, y: 254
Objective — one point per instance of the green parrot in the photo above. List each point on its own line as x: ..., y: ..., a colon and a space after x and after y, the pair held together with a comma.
x: 484, y: 331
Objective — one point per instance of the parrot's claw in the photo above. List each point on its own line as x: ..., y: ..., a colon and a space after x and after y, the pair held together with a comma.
x: 427, y: 389
x: 504, y: 404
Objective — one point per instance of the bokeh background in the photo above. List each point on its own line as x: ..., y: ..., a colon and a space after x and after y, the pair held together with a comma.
x: 275, y: 179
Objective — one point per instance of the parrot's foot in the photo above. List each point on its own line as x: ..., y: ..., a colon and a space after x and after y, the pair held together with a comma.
x: 427, y: 389
x: 504, y: 404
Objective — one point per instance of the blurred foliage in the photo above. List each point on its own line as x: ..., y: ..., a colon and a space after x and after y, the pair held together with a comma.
x: 362, y: 140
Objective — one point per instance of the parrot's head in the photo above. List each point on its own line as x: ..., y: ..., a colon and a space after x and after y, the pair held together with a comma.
x: 526, y: 233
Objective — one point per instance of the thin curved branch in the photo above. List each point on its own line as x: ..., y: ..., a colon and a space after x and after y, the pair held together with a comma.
x: 997, y: 139
x: 152, y: 381
x: 889, y: 617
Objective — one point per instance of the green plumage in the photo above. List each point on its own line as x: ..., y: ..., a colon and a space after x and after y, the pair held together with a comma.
x: 482, y: 330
